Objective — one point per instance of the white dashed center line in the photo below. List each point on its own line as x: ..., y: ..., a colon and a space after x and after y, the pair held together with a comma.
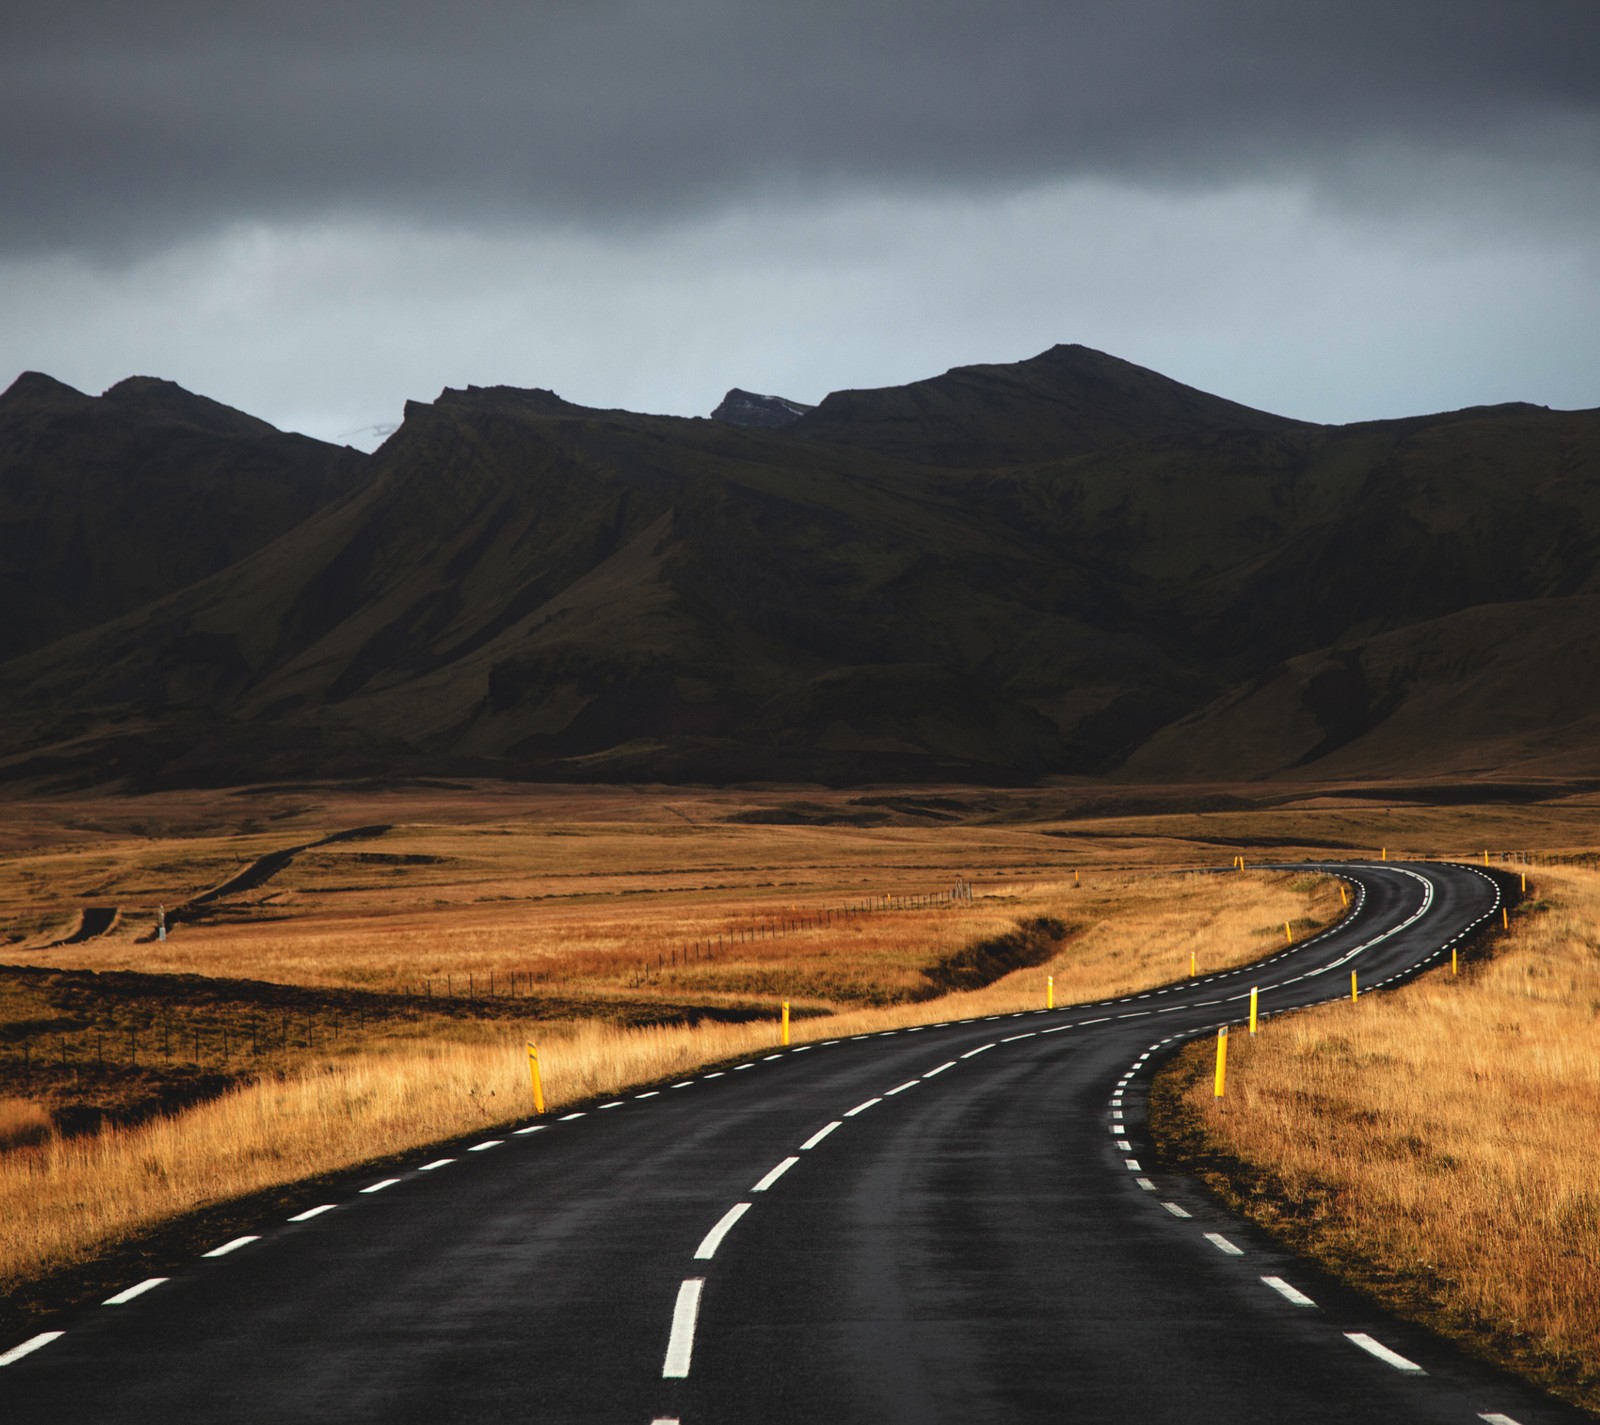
x: 909, y: 1084
x: 568, y: 1117
x: 1383, y: 1353
x: 979, y: 1050
x: 380, y: 1186
x: 940, y: 1069
x: 436, y: 1163
x: 311, y: 1212
x: 713, y: 1239
x: 862, y: 1107
x: 819, y: 1135
x: 680, y: 1344
x: 538, y: 1127
x: 1175, y: 1210
x: 493, y: 1143
x: 774, y: 1175
x: 1222, y: 1244
x: 123, y: 1297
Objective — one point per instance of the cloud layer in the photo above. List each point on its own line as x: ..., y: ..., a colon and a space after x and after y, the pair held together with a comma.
x: 809, y: 196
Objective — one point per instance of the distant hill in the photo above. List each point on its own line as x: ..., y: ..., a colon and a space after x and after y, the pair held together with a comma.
x: 109, y: 502
x: 746, y: 408
x: 1068, y: 565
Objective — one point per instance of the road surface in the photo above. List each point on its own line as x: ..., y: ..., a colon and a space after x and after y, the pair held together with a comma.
x: 962, y: 1223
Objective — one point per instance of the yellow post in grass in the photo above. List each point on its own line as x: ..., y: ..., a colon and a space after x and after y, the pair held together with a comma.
x: 1222, y: 1061
x: 1524, y: 880
x: 1486, y: 857
x: 1452, y: 959
x: 1193, y: 970
x: 1505, y: 918
x: 1355, y: 994
x: 1252, y: 1009
x: 1385, y: 853
x: 1241, y: 863
x: 1344, y: 897
x: 1049, y: 991
x: 533, y: 1071
x: 786, y: 1023
x: 1287, y: 933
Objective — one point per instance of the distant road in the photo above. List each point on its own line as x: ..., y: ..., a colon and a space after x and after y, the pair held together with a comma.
x: 959, y: 1224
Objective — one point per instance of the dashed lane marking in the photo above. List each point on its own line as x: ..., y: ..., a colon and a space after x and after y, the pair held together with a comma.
x: 1175, y: 1210
x: 1383, y: 1353
x: 311, y: 1212
x: 909, y: 1084
x: 28, y: 1347
x: 489, y: 1143
x: 436, y: 1163
x: 123, y: 1297
x: 862, y: 1107
x: 234, y: 1245
x: 540, y: 1127
x: 680, y: 1343
x: 713, y: 1239
x: 1222, y: 1244
x: 819, y: 1135
x: 380, y: 1186
x: 1287, y: 1292
x: 940, y: 1069
x: 774, y: 1175
x: 979, y: 1050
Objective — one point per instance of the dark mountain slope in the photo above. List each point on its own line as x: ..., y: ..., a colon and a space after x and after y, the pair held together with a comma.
x: 1067, y: 401
x: 107, y: 503
x: 533, y: 588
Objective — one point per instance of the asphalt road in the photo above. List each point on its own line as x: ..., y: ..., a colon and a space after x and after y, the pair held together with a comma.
x: 963, y: 1223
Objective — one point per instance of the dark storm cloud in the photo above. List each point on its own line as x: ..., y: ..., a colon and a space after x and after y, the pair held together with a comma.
x: 129, y: 124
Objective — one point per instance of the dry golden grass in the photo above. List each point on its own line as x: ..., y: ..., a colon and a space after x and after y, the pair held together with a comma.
x: 1443, y: 1143
x: 22, y: 1122
x: 66, y: 1200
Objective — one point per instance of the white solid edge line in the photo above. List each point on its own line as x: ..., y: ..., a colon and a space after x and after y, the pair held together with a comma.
x: 1287, y: 1292
x: 1383, y: 1353
x: 311, y: 1212
x: 28, y: 1347
x: 862, y: 1107
x: 436, y: 1163
x: 680, y: 1344
x: 713, y: 1239
x: 122, y: 1297
x: 1222, y: 1244
x: 820, y: 1134
x: 774, y: 1175
x: 232, y: 1246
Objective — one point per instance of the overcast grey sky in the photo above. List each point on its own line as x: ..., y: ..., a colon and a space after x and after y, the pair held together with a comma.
x: 315, y: 210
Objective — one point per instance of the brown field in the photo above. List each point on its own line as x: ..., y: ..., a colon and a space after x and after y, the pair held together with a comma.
x: 1440, y: 1145
x: 371, y: 994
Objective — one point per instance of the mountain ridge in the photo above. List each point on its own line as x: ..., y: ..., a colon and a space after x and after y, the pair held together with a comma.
x: 516, y: 585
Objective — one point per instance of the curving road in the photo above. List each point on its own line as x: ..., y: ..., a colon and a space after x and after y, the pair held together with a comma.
x: 962, y: 1223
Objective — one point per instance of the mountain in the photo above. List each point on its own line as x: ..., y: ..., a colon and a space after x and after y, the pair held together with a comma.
x: 109, y: 502
x: 746, y: 408
x: 1137, y: 580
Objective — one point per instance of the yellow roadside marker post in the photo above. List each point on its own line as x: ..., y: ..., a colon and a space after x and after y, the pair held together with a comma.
x: 1222, y: 1061
x: 1354, y: 993
x: 1524, y: 882
x: 1252, y: 1009
x: 1049, y: 991
x: 1486, y: 857
x: 1505, y: 918
x: 786, y: 1024
x: 1193, y: 971
x: 1452, y: 959
x: 1385, y: 853
x: 533, y: 1072
x: 1287, y: 933
x: 1344, y: 897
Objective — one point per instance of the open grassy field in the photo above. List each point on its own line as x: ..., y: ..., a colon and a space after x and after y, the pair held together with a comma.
x: 1441, y: 1145
x: 352, y: 973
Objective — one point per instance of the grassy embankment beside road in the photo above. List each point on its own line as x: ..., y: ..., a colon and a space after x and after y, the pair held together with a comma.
x: 65, y: 1200
x: 1439, y: 1146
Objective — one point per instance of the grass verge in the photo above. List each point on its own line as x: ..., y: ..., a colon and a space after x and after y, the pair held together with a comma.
x: 68, y: 1201
x: 1440, y: 1146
